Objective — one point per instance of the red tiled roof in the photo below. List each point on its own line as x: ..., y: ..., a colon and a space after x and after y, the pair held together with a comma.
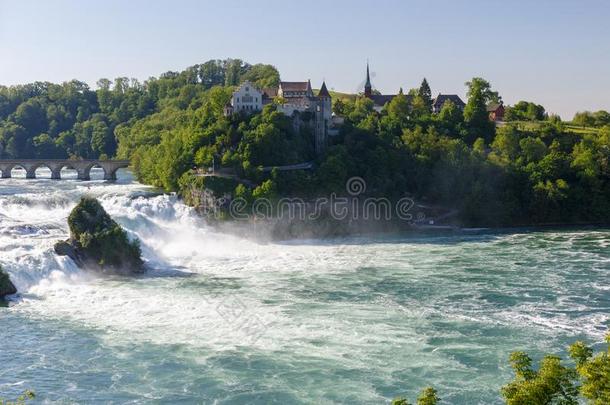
x: 294, y: 86
x: 270, y: 92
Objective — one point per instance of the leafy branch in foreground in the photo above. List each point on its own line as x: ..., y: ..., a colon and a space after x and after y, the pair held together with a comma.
x: 554, y: 383
x: 427, y: 397
x: 22, y: 399
x: 594, y: 372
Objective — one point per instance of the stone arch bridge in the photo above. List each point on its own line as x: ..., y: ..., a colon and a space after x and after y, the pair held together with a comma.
x: 82, y: 167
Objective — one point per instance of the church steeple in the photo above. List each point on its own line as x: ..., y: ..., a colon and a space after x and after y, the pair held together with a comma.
x: 368, y: 90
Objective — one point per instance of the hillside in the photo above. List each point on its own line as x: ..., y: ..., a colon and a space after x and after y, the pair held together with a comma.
x: 525, y: 172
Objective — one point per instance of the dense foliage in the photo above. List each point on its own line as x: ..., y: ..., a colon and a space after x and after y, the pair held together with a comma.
x: 21, y: 400
x: 502, y: 176
x: 592, y: 119
x: 70, y: 120
x: 427, y: 397
x: 508, y: 175
x: 525, y: 111
x: 555, y: 383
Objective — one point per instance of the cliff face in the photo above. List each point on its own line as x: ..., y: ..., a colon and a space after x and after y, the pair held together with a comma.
x: 98, y: 243
x: 6, y: 286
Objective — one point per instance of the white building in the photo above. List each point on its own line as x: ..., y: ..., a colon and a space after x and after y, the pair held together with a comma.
x: 247, y: 98
x: 296, y: 100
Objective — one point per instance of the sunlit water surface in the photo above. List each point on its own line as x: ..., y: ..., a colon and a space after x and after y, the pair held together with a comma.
x: 219, y: 319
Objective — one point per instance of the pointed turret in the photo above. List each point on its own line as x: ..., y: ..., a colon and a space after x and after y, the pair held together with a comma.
x: 324, y: 91
x: 368, y: 90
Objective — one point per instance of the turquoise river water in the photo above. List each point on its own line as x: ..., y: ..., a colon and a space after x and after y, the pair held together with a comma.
x: 224, y: 320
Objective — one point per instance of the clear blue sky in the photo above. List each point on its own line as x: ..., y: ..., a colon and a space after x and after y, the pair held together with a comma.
x: 553, y: 52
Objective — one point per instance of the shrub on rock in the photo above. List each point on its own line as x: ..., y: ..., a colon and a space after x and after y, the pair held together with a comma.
x: 6, y: 286
x: 97, y: 242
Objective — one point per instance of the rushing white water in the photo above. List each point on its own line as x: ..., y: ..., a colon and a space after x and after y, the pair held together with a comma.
x: 220, y: 319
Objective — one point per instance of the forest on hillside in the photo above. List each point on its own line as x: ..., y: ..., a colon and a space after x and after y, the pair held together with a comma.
x: 50, y: 120
x: 535, y: 169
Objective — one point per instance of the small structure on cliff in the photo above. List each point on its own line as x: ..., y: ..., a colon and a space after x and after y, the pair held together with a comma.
x: 98, y: 243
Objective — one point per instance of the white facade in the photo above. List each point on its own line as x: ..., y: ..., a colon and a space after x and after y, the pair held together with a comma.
x: 247, y: 98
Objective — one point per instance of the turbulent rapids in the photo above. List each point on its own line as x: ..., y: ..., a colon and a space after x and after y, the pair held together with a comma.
x: 222, y: 319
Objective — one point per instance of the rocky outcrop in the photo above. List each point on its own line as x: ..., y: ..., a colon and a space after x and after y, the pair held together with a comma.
x: 6, y: 286
x: 98, y: 243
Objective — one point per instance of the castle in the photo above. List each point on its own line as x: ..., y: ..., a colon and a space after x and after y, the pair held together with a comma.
x: 297, y: 100
x: 294, y: 99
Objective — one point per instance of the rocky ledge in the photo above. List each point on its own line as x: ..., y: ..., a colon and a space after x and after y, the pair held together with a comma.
x: 6, y: 286
x: 98, y: 243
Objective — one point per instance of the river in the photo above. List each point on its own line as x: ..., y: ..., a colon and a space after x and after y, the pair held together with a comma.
x: 220, y: 319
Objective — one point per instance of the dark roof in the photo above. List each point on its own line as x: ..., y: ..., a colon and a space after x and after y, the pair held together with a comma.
x: 294, y: 86
x: 441, y: 98
x: 323, y: 91
x: 382, y: 99
x: 368, y: 77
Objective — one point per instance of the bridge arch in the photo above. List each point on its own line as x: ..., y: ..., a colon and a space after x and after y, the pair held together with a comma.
x: 32, y: 169
x: 96, y: 175
x: 6, y: 170
x: 82, y: 167
x: 61, y: 167
x: 17, y: 166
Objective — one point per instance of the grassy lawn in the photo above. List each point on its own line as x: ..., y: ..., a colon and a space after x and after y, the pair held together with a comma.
x: 569, y: 127
x: 338, y: 96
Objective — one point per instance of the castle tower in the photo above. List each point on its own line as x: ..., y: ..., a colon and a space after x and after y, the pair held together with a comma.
x: 323, y: 117
x: 368, y: 89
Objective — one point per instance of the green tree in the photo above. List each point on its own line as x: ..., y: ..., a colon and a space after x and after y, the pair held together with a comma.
x: 594, y: 372
x: 525, y: 111
x: 533, y: 149
x: 266, y: 190
x: 399, y: 110
x: 584, y: 119
x: 419, y: 107
x: 262, y: 75
x: 428, y: 396
x: 551, y: 384
x: 426, y: 94
x: 450, y: 116
x: 482, y: 86
x: 506, y: 143
x: 601, y: 118
x: 475, y: 112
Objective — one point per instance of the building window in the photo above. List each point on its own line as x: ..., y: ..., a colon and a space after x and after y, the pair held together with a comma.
x: 247, y: 88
